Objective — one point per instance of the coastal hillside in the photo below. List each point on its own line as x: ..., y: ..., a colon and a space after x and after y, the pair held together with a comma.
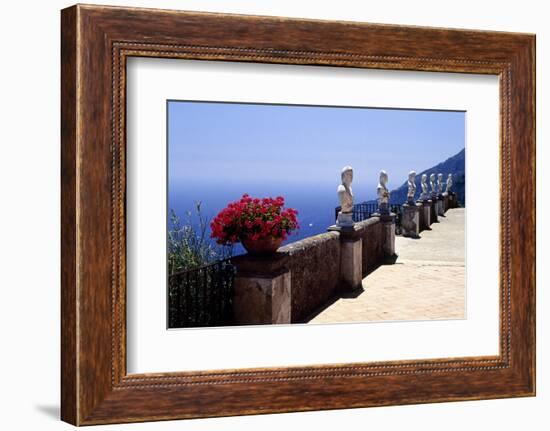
x: 453, y: 165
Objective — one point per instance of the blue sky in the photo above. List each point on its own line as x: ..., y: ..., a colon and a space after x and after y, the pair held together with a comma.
x: 266, y: 147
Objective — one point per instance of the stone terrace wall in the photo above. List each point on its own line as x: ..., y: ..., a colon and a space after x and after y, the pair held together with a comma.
x: 305, y: 276
x: 314, y: 264
x: 372, y: 234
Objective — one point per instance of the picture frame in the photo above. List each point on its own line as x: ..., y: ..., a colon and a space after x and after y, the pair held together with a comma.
x: 96, y: 42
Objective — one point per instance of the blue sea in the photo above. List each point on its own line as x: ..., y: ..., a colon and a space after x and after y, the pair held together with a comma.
x: 315, y: 204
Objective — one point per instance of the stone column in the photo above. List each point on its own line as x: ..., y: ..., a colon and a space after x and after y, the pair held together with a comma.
x: 440, y: 210
x: 351, y: 257
x: 453, y: 201
x: 262, y: 290
x: 433, y: 210
x: 410, y: 221
x: 425, y: 212
x: 445, y: 202
x: 388, y: 223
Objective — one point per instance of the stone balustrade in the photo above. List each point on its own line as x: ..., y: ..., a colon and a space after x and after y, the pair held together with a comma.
x: 373, y: 239
x: 314, y: 264
x: 292, y: 284
x: 303, y: 276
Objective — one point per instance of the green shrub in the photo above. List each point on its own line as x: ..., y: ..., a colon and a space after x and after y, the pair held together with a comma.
x: 189, y: 245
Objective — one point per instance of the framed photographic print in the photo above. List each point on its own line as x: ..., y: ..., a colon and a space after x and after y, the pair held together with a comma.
x: 264, y: 214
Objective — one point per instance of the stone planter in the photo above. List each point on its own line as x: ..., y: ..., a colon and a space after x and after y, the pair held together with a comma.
x: 261, y: 246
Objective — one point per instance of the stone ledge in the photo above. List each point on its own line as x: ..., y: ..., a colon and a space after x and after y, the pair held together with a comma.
x: 368, y: 222
x: 309, y: 242
x: 386, y: 218
x: 261, y: 266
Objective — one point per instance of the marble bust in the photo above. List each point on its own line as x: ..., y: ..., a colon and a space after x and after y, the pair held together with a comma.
x: 439, y: 183
x: 424, y: 184
x: 345, y: 197
x: 345, y: 192
x: 449, y: 183
x: 411, y: 184
x: 432, y: 184
x: 383, y: 193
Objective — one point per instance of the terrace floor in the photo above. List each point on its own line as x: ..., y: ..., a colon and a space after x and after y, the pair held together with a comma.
x: 426, y: 282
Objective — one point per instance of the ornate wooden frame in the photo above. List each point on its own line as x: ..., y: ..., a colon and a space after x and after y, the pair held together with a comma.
x: 96, y: 41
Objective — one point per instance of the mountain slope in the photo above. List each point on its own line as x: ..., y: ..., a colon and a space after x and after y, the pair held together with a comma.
x: 453, y: 165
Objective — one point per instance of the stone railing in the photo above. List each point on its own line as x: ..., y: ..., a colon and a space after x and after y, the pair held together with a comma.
x: 429, y: 210
x: 304, y: 276
x: 314, y: 265
x: 372, y: 235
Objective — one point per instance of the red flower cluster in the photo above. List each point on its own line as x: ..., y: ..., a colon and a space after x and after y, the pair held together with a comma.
x: 253, y: 218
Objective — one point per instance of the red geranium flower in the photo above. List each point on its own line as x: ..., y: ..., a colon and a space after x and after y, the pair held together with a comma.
x: 253, y: 218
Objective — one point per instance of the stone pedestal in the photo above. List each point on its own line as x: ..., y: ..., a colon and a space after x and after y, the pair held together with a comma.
x: 388, y: 223
x: 433, y: 210
x: 383, y: 208
x: 344, y: 219
x: 425, y: 212
x: 410, y: 220
x: 262, y: 290
x: 440, y: 208
x: 351, y: 257
x: 445, y: 201
x: 453, y: 203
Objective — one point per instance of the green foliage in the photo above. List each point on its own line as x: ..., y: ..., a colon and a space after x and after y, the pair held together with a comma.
x: 188, y: 243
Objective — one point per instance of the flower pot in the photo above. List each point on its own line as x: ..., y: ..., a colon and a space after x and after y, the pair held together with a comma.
x: 262, y: 246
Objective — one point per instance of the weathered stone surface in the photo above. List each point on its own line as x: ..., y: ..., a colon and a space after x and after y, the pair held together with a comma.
x: 410, y: 222
x: 433, y: 210
x: 389, y: 238
x: 262, y: 266
x: 262, y: 300
x: 440, y: 208
x: 453, y: 202
x: 425, y: 213
x: 314, y: 263
x: 388, y: 223
x: 347, y: 233
x: 344, y: 219
x: 372, y: 244
x: 351, y: 264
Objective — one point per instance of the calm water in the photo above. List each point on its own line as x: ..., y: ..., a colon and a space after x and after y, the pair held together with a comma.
x: 315, y: 205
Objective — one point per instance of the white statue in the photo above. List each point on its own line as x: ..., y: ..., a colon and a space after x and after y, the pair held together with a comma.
x: 449, y: 183
x: 383, y: 193
x: 432, y: 184
x: 424, y: 183
x: 345, y: 192
x: 345, y: 196
x: 439, y: 183
x: 411, y: 186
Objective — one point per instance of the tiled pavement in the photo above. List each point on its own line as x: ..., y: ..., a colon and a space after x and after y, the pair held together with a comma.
x: 426, y: 282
